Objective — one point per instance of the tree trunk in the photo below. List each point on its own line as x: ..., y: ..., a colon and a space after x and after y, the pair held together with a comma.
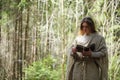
x: 26, y: 36
x: 15, y: 43
x: 18, y: 45
x: 0, y: 18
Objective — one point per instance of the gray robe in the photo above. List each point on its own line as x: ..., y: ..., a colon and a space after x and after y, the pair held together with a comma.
x: 90, y: 68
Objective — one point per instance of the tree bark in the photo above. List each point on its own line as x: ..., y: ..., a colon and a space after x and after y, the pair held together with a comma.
x: 0, y: 18
x: 15, y: 43
x: 26, y: 36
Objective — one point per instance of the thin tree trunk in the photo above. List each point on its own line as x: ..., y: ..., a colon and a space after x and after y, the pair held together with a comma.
x: 0, y: 18
x: 47, y: 32
x: 0, y: 35
x: 8, y: 38
x: 15, y: 43
x: 36, y: 46
x: 21, y: 43
x: 63, y: 40
x: 26, y: 35
x: 19, y: 46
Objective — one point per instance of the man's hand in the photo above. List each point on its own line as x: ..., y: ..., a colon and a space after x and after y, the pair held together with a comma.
x: 87, y: 53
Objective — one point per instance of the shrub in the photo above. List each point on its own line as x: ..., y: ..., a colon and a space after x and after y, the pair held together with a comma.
x: 43, y: 70
x: 114, y: 67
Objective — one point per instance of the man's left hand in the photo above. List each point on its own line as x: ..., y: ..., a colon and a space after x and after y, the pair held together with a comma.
x: 87, y: 53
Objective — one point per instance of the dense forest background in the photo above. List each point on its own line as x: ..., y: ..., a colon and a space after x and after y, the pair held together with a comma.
x: 36, y: 34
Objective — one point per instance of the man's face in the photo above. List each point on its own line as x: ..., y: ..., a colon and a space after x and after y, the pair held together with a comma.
x: 86, y: 28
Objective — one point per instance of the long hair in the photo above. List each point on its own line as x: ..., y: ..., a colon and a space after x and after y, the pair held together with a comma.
x: 91, y: 24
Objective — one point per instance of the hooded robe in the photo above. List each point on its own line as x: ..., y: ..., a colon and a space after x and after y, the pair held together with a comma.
x: 94, y: 67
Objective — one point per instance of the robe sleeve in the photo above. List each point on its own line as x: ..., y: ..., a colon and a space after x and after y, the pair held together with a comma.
x: 101, y: 51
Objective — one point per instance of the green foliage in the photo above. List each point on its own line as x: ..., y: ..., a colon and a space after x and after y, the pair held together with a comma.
x: 114, y: 67
x: 23, y: 4
x: 43, y: 70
